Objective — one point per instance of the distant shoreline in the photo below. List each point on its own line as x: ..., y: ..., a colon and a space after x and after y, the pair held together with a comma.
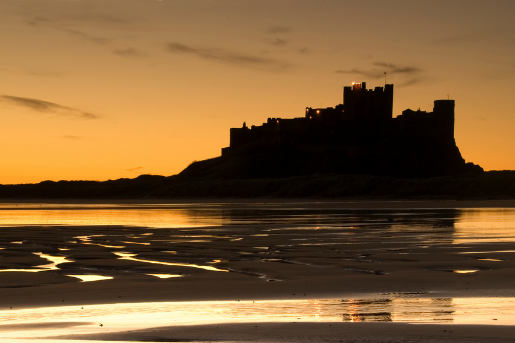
x: 314, y: 203
x: 492, y: 185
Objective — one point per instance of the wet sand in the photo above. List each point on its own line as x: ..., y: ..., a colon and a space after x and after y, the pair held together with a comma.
x: 289, y: 259
x: 319, y: 332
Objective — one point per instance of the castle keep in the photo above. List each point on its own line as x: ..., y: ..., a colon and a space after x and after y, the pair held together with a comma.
x: 364, y: 119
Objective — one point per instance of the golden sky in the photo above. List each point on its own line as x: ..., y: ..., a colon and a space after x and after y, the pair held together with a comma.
x: 105, y: 89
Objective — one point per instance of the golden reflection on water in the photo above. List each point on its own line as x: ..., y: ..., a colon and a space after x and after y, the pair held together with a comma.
x: 496, y: 225
x: 89, y: 278
x: 55, y: 260
x: 463, y: 225
x: 166, y: 276
x: 128, y: 256
x: 110, y: 215
x: 124, y: 317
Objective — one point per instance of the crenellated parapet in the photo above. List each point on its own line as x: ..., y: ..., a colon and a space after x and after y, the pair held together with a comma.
x: 361, y: 103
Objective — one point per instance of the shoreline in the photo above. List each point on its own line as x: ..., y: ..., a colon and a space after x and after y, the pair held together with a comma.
x: 284, y: 202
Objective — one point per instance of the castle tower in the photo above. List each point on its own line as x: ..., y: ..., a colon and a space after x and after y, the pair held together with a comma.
x: 363, y: 104
x: 444, y: 116
x: 388, y: 101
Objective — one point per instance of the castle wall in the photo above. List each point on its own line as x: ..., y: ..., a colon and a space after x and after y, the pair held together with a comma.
x: 438, y: 124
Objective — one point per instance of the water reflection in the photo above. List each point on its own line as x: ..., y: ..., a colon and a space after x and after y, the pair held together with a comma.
x: 495, y: 225
x: 89, y: 278
x: 129, y: 256
x: 195, y: 235
x: 437, y: 226
x: 55, y: 260
x: 166, y: 276
x: 122, y: 317
x: 154, y: 216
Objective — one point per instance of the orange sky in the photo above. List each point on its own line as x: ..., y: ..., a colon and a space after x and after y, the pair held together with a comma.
x: 104, y: 89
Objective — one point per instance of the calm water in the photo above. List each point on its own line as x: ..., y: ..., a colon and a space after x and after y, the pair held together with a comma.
x: 433, y: 225
x: 478, y: 232
x: 124, y: 317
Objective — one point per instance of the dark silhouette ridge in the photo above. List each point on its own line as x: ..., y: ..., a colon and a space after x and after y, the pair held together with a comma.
x: 487, y: 185
x: 356, y: 137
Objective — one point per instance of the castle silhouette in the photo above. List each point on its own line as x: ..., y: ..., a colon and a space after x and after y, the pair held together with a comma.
x: 359, y: 136
x: 364, y: 117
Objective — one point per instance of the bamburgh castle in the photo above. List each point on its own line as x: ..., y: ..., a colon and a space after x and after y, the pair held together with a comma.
x: 364, y: 117
x: 359, y: 136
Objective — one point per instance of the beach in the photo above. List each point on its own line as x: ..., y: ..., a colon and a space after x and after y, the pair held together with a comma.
x: 391, y: 255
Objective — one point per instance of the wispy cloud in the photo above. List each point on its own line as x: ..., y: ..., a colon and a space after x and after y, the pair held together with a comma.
x: 79, y: 16
x: 409, y: 75
x: 36, y: 21
x: 393, y: 68
x: 279, y: 29
x: 51, y: 74
x: 304, y: 50
x: 48, y: 107
x: 277, y: 41
x: 32, y: 72
x: 228, y: 57
x: 56, y: 25
x: 373, y: 74
x: 456, y: 39
x: 85, y: 36
x: 72, y: 137
x: 134, y: 169
x: 128, y: 52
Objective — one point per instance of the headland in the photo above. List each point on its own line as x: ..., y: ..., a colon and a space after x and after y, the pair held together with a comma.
x: 359, y: 136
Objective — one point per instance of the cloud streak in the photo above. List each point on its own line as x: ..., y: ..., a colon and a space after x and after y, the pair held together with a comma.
x: 72, y: 137
x: 47, y: 107
x: 393, y: 68
x: 277, y: 41
x: 454, y: 40
x: 409, y: 75
x: 85, y: 36
x: 128, y: 52
x: 37, y: 21
x: 279, y: 29
x: 228, y: 57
